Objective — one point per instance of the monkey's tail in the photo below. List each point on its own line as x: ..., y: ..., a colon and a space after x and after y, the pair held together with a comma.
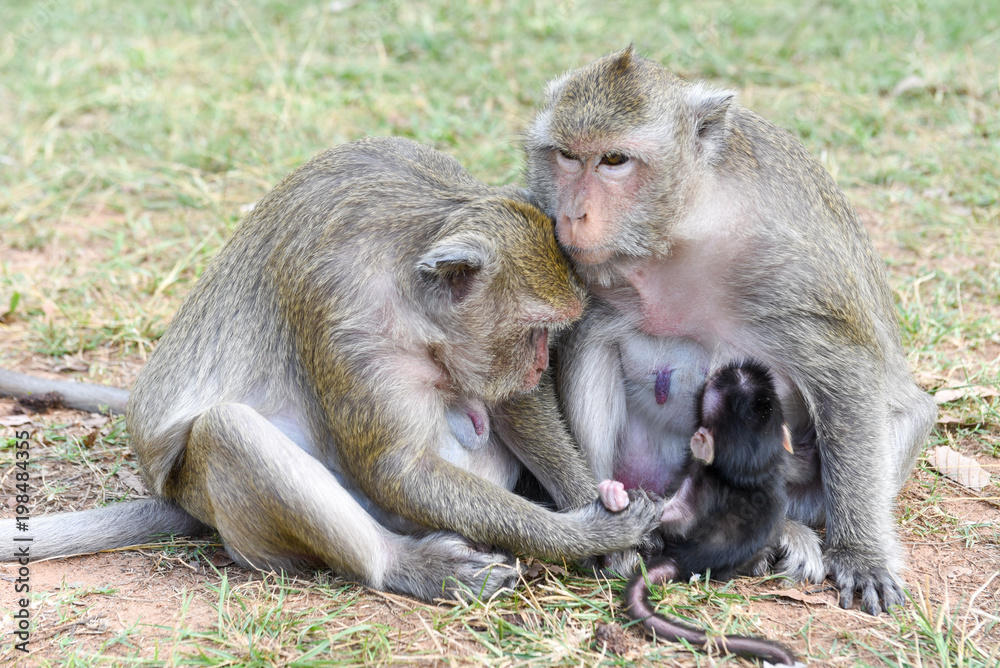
x: 119, y: 525
x: 82, y: 396
x: 639, y: 608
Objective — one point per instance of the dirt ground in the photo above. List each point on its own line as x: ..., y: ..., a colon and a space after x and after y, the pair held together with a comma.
x: 140, y: 601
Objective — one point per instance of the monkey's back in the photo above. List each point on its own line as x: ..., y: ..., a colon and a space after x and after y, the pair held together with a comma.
x: 327, y: 231
x: 732, y: 530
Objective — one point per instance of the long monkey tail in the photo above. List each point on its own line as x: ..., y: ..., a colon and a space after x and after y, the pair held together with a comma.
x: 85, y: 532
x: 82, y: 396
x: 639, y: 608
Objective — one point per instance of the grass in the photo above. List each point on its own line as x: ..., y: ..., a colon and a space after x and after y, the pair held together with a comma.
x: 132, y: 136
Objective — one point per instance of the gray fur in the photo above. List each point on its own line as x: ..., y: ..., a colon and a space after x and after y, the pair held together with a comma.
x: 736, y: 242
x: 308, y: 399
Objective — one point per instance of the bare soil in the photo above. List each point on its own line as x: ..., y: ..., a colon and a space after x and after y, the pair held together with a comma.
x: 141, y: 601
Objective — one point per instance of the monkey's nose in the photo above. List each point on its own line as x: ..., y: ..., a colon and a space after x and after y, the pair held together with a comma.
x: 569, y: 229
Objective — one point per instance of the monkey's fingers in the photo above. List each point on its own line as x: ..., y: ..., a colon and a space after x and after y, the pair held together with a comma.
x: 644, y: 499
x: 444, y: 564
x: 620, y: 564
x: 878, y: 587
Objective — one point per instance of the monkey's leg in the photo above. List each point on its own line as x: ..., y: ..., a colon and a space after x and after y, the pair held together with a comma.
x: 800, y: 554
x: 912, y: 421
x: 861, y: 550
x: 276, y: 506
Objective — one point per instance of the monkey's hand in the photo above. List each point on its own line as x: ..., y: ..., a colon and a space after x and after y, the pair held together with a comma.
x: 639, y: 511
x: 624, y: 563
x: 857, y: 571
x: 446, y: 565
x: 620, y: 564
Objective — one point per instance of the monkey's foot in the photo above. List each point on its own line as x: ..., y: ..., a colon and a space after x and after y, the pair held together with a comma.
x: 446, y: 565
x: 759, y: 565
x: 613, y: 495
x: 856, y: 571
x: 620, y: 564
x: 625, y: 563
x: 801, y: 553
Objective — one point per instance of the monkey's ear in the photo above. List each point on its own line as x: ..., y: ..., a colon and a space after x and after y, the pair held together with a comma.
x: 709, y: 107
x: 454, y: 263
x: 786, y: 438
x: 703, y: 445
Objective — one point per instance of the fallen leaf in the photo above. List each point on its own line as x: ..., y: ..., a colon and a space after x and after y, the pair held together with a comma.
x: 948, y: 418
x: 131, y: 480
x: 929, y: 378
x: 956, y: 571
x: 537, y: 568
x: 944, y: 396
x: 15, y: 420
x: 221, y: 559
x: 49, y: 310
x: 533, y: 571
x: 959, y: 468
x: 912, y: 82
x: 95, y: 422
x: 956, y: 393
x: 74, y: 365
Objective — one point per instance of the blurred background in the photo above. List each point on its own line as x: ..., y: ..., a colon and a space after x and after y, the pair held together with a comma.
x: 131, y: 134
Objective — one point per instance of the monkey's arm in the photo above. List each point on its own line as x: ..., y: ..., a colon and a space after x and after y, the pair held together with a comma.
x: 391, y: 449
x: 852, y: 434
x: 592, y: 389
x: 532, y: 427
x: 82, y: 396
x: 437, y: 494
x: 680, y: 512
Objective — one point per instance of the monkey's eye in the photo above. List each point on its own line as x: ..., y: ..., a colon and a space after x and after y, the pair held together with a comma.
x: 614, y: 159
x: 568, y: 162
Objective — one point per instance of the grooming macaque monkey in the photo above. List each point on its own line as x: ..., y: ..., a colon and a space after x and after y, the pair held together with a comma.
x: 729, y: 505
x: 349, y: 384
x: 709, y: 234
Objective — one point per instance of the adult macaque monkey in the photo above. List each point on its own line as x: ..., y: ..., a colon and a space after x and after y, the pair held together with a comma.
x: 709, y: 234
x: 348, y: 384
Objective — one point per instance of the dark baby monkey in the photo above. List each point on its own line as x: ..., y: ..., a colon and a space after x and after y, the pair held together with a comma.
x: 350, y: 384
x: 729, y: 506
x: 708, y: 234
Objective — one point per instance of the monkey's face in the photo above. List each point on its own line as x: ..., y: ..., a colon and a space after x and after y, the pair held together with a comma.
x: 617, y: 156
x: 596, y: 192
x: 514, y: 291
x: 531, y: 293
x: 593, y: 156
